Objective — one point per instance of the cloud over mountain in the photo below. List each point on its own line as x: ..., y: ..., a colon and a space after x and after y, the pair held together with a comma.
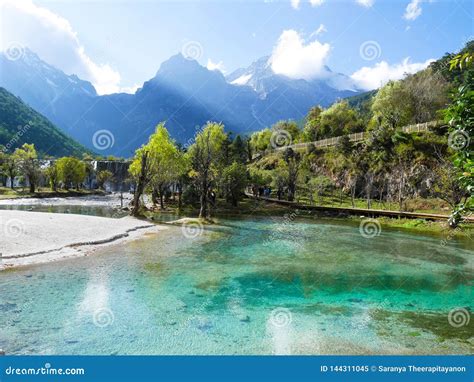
x: 378, y: 75
x: 295, y: 58
x: 29, y: 25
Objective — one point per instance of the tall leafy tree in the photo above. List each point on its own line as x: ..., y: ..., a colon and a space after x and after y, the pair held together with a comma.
x: 158, y: 164
x: 205, y: 154
x: 28, y: 164
x: 140, y: 172
x: 235, y: 181
x: 239, y: 150
x: 52, y: 173
x: 339, y: 119
x: 392, y: 106
x: 72, y: 172
x: 9, y: 167
x: 292, y: 159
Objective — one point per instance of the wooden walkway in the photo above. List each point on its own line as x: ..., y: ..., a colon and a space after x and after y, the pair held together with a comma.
x: 355, y: 137
x: 360, y: 211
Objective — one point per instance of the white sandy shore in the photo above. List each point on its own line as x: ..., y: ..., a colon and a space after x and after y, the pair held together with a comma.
x: 38, y: 237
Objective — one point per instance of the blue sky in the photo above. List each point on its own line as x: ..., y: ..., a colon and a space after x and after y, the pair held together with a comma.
x: 120, y: 44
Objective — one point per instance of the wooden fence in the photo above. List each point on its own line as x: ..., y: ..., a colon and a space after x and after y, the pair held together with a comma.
x: 355, y: 137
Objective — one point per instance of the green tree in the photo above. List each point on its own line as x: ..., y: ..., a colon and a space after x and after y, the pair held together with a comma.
x: 164, y: 155
x: 279, y: 176
x: 52, y: 173
x: 290, y: 127
x: 9, y: 167
x: 258, y: 178
x: 235, y: 180
x: 205, y: 154
x: 339, y: 119
x: 72, y: 172
x: 292, y: 159
x: 260, y: 140
x: 313, y: 120
x: 140, y: 172
x: 28, y: 164
x: 392, y: 105
x: 239, y: 150
x: 158, y: 164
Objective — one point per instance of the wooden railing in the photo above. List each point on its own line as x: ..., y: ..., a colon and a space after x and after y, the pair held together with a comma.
x: 355, y: 137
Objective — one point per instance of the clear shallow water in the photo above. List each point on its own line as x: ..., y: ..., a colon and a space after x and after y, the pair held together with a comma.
x: 256, y: 286
x: 103, y: 211
x: 103, y: 205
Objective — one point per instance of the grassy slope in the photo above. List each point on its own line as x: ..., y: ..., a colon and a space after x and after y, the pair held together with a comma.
x: 20, y: 124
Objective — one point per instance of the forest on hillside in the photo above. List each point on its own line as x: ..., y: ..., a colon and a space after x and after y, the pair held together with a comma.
x: 20, y: 124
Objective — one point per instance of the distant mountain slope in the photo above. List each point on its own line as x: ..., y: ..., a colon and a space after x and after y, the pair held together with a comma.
x: 183, y: 93
x: 21, y: 124
x: 280, y: 95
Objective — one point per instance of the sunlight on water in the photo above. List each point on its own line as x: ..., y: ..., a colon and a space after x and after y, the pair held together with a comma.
x: 253, y: 286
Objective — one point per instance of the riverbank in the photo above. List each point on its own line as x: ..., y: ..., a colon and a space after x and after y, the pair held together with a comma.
x: 111, y: 200
x: 42, y: 193
x: 39, y: 237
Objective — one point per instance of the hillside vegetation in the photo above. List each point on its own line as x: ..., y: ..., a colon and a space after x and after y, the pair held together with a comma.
x: 20, y: 124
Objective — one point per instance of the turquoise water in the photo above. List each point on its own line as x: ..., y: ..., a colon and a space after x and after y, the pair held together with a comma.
x: 103, y: 211
x: 254, y: 286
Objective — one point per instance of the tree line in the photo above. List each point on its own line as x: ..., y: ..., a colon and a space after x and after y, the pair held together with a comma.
x: 66, y: 173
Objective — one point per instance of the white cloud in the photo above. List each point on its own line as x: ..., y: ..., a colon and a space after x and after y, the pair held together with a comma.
x: 295, y: 58
x: 321, y: 29
x: 54, y: 40
x: 215, y: 65
x: 295, y: 4
x: 413, y: 10
x: 365, y: 3
x: 374, y: 77
x: 130, y: 89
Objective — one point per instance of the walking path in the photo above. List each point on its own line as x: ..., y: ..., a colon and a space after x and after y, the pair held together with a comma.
x: 360, y: 211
